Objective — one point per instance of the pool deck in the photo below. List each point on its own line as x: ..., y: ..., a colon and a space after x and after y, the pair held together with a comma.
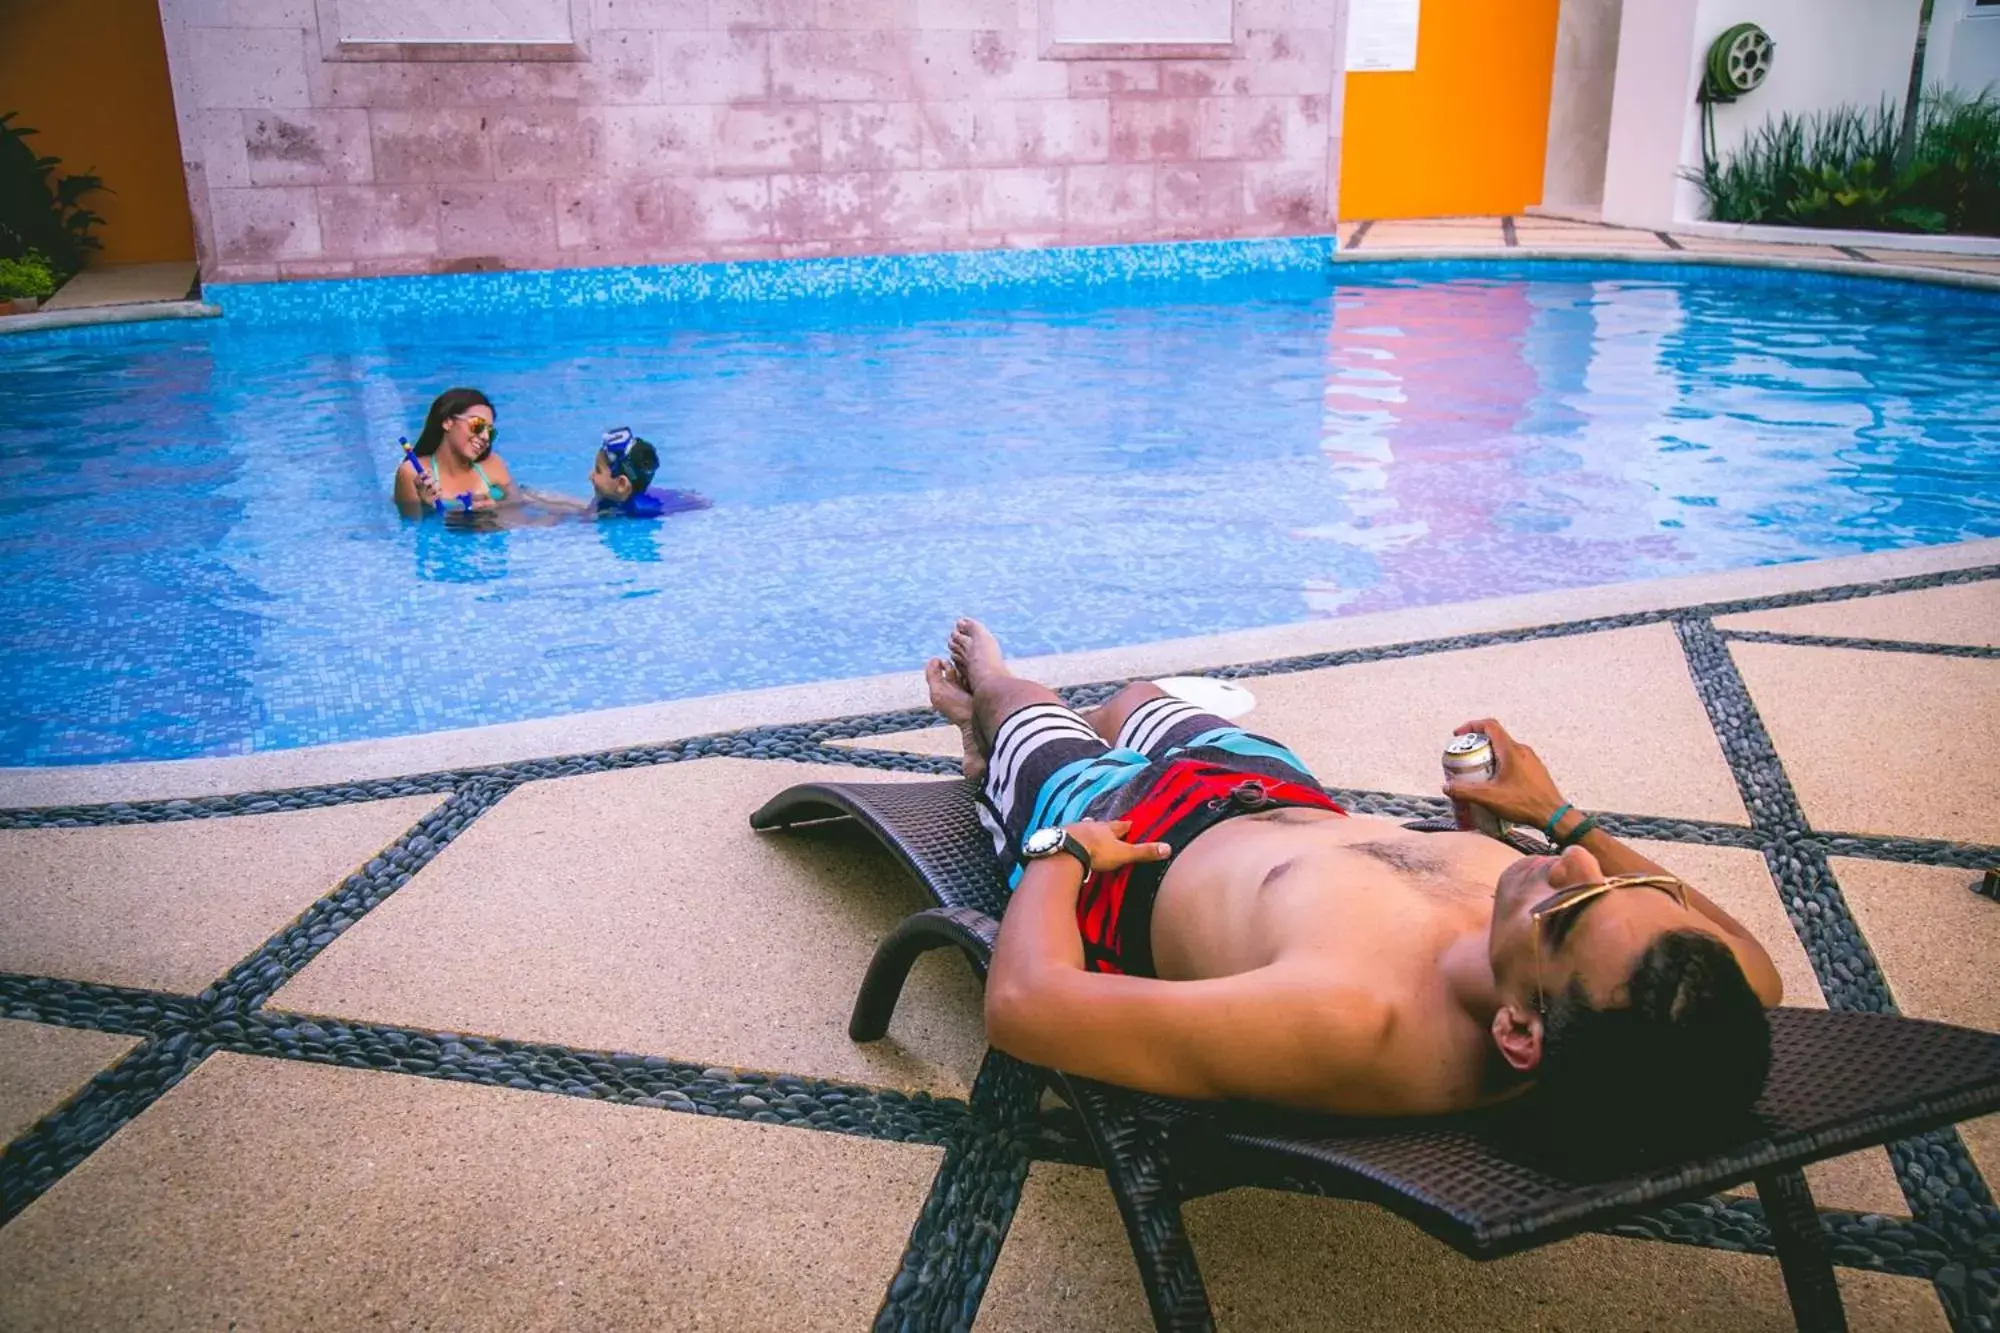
x: 1972, y: 263
x: 469, y: 1048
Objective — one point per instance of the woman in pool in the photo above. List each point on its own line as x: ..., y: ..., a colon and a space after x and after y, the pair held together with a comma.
x: 453, y: 457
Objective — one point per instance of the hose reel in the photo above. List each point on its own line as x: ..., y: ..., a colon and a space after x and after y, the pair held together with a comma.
x: 1738, y: 62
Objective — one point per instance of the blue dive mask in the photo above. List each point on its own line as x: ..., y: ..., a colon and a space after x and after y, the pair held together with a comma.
x: 616, y: 442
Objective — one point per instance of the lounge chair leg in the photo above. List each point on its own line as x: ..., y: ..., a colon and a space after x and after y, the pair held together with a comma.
x: 1803, y: 1254
x: 919, y: 933
x: 1145, y: 1184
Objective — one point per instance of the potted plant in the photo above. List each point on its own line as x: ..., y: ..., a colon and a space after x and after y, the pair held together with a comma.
x: 44, y: 227
x: 25, y: 283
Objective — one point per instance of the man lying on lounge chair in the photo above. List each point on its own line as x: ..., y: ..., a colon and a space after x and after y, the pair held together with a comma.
x: 1252, y: 940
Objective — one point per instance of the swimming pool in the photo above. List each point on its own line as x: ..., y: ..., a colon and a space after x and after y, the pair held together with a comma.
x: 197, y: 556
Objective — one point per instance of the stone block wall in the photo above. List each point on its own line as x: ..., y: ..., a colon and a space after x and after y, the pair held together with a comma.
x: 690, y: 130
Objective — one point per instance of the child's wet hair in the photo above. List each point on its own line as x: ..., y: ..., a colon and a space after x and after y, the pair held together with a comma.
x: 637, y: 464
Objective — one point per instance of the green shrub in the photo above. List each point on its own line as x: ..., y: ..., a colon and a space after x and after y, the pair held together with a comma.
x: 30, y: 275
x: 1833, y: 170
x: 41, y: 212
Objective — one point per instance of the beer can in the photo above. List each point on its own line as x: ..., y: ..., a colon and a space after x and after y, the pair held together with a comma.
x: 1471, y: 756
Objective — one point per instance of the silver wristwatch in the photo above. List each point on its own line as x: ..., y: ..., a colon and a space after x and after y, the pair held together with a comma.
x: 1047, y: 842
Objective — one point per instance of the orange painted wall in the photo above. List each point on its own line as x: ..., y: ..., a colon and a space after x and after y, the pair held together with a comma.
x: 92, y: 77
x: 1463, y: 133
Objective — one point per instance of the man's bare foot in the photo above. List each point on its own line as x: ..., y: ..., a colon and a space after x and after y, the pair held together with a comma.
x: 951, y: 698
x: 976, y: 654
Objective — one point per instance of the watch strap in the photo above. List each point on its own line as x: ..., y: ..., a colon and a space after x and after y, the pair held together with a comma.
x: 1074, y: 847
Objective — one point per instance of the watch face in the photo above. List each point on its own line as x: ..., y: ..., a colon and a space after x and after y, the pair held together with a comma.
x: 1043, y: 842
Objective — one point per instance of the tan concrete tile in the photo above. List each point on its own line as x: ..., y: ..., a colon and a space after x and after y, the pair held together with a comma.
x: 41, y: 1067
x: 1963, y: 613
x: 637, y: 911
x: 1756, y: 249
x: 1281, y: 1261
x: 1385, y: 235
x: 1614, y: 716
x: 125, y: 284
x: 1738, y: 881
x: 1982, y: 1140
x: 1592, y: 240
x: 174, y: 906
x: 1880, y: 742
x: 1936, y: 941
x: 928, y: 740
x: 1918, y: 259
x: 267, y: 1194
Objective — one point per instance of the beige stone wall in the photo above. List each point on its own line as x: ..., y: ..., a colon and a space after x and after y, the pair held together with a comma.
x: 679, y: 130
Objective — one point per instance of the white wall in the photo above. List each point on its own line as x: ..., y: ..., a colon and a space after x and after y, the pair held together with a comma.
x: 1648, y: 111
x: 1580, y: 103
x: 1964, y: 47
x: 1828, y: 52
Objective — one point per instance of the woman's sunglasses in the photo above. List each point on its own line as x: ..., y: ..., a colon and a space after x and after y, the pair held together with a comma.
x: 481, y: 428
x: 1574, y: 898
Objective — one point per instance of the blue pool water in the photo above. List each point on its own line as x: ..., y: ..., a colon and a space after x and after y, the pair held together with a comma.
x: 197, y: 556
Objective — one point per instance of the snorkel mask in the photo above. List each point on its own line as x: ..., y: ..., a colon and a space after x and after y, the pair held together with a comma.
x: 616, y: 442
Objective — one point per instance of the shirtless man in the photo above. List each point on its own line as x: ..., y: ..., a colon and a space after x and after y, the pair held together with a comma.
x: 1257, y: 942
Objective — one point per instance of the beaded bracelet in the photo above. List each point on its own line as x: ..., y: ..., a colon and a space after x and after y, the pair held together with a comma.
x: 1549, y: 829
x: 1577, y: 834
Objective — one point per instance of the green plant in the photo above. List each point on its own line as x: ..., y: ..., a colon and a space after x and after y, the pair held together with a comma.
x: 42, y: 212
x: 1833, y: 170
x: 30, y: 275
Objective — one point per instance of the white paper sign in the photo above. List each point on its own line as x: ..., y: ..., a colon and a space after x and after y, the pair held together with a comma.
x: 1382, y: 35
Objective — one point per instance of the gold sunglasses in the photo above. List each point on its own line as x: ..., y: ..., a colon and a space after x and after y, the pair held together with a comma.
x: 482, y: 428
x: 1573, y: 898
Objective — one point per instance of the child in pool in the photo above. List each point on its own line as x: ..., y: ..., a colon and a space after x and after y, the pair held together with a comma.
x: 621, y: 473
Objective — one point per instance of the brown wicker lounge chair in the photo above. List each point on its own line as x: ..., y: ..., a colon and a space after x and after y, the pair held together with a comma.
x: 1839, y: 1082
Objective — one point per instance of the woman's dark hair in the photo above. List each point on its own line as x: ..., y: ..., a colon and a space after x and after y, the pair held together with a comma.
x: 1681, y: 1061
x: 450, y: 403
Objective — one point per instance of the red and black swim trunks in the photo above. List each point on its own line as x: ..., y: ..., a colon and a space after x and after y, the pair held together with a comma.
x: 1114, y: 910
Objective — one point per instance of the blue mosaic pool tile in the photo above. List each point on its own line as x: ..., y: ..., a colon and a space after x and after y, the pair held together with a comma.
x: 868, y: 276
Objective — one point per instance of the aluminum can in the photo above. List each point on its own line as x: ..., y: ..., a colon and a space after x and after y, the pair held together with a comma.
x: 1471, y: 756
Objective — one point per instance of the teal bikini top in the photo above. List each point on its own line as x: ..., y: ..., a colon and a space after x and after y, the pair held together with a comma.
x: 494, y: 491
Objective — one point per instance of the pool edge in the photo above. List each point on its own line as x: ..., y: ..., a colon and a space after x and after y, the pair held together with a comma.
x: 655, y: 724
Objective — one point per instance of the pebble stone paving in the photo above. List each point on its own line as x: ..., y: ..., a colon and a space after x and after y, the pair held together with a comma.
x: 987, y: 1144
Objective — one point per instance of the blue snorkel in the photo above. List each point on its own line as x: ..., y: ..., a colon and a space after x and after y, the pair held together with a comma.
x: 416, y: 466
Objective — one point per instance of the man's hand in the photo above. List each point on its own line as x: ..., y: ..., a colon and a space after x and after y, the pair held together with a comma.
x: 1520, y: 791
x: 1107, y: 846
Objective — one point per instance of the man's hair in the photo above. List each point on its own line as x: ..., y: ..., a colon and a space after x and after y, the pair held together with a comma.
x: 1681, y: 1061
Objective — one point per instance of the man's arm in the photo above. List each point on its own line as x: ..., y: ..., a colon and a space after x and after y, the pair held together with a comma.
x: 1275, y: 1034
x: 1523, y: 791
